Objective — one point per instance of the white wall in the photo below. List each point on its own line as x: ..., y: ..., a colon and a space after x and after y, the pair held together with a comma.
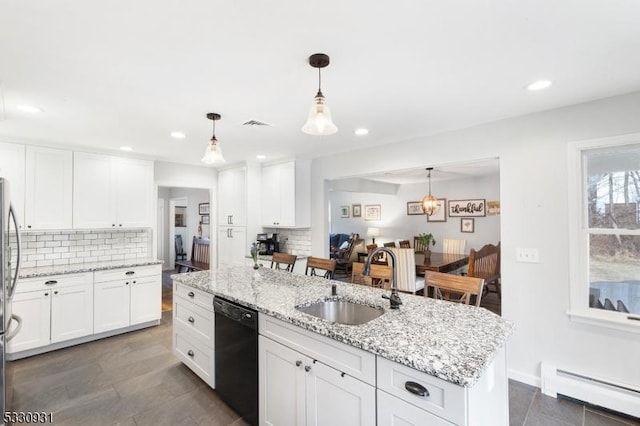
x: 533, y: 194
x: 165, y: 194
x: 396, y: 225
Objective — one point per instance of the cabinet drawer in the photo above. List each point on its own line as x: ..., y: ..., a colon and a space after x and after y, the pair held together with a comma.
x: 445, y: 399
x: 352, y: 361
x: 50, y: 281
x: 197, y: 357
x: 393, y: 411
x: 200, y: 298
x: 126, y: 273
x: 194, y: 320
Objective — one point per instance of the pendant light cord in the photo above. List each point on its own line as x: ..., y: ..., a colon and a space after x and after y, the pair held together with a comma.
x: 429, y: 182
x: 319, y: 81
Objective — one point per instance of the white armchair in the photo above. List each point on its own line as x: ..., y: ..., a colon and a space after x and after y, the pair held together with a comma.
x: 408, y: 282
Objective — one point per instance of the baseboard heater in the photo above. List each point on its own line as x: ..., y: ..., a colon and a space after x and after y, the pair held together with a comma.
x: 618, y: 397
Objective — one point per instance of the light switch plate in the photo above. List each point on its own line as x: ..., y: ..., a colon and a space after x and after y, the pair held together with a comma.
x: 528, y: 255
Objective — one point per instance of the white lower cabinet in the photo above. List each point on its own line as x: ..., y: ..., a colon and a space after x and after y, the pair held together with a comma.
x: 127, y: 296
x: 53, y: 309
x: 297, y: 388
x: 394, y: 411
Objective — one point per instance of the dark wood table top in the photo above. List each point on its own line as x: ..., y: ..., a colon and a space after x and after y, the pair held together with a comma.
x: 440, y: 262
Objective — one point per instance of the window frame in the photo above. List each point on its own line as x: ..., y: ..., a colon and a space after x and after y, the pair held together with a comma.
x: 579, y: 232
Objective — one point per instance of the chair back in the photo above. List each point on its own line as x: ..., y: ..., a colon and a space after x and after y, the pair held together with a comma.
x: 408, y: 281
x: 379, y: 275
x: 485, y: 263
x: 418, y: 246
x: 326, y: 265
x: 200, y: 250
x: 454, y: 288
x: 371, y: 247
x: 178, y: 244
x: 404, y: 244
x: 283, y: 261
x: 391, y: 244
x: 454, y: 246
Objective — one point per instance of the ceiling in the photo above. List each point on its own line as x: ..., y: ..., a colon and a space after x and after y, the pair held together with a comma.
x: 123, y: 73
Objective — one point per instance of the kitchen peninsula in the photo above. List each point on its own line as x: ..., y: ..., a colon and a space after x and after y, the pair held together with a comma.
x: 456, y: 352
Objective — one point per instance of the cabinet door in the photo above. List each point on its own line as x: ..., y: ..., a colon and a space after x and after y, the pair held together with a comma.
x: 12, y: 168
x: 232, y: 245
x: 287, y: 194
x: 94, y: 204
x: 393, y: 411
x: 232, y: 197
x: 71, y: 312
x: 334, y: 398
x: 146, y: 299
x: 111, y: 305
x: 49, y: 186
x: 133, y: 181
x: 270, y: 192
x: 34, y: 308
x: 281, y: 384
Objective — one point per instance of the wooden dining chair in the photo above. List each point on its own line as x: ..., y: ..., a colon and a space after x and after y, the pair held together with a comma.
x: 418, y: 246
x: 408, y: 281
x: 317, y: 263
x: 390, y: 244
x: 450, y: 245
x: 283, y: 261
x: 454, y: 288
x: 404, y: 244
x: 379, y: 275
x: 485, y: 264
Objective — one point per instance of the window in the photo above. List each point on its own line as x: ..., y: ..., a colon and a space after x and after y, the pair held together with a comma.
x: 605, y: 240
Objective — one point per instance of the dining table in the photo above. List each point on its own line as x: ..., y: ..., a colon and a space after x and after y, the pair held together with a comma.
x: 439, y: 262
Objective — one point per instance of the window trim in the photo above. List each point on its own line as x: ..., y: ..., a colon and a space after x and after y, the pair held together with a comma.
x: 579, y: 310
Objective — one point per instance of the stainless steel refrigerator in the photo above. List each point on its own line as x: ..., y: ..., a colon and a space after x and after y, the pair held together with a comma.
x: 9, y: 269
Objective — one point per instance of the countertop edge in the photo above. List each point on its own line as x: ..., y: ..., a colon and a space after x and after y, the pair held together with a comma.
x: 80, y: 268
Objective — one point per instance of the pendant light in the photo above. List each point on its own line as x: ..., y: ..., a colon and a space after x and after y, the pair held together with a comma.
x: 319, y: 121
x: 213, y: 152
x: 430, y: 204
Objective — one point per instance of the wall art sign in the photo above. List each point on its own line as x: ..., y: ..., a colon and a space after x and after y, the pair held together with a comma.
x: 466, y: 225
x: 356, y: 209
x: 441, y: 214
x: 473, y: 208
x: 344, y: 211
x: 203, y: 209
x: 414, y: 208
x: 372, y: 212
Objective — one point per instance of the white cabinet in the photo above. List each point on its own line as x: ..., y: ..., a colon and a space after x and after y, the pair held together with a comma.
x: 232, y: 245
x: 127, y: 296
x: 49, y: 188
x: 111, y: 192
x: 306, y: 379
x: 232, y: 194
x: 12, y: 161
x: 53, y: 309
x: 193, y: 330
x: 286, y: 197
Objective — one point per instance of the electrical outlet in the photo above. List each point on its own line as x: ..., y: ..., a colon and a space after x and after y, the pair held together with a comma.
x: 528, y: 255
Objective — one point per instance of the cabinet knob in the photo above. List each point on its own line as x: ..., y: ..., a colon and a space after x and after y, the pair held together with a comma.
x: 307, y: 368
x: 29, y: 226
x: 191, y: 294
x: 120, y: 225
x: 298, y: 363
x: 134, y: 282
x: 127, y: 283
x: 190, y: 353
x: 191, y: 320
x: 416, y: 388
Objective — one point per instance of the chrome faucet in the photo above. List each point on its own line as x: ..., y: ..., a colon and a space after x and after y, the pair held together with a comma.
x: 394, y: 299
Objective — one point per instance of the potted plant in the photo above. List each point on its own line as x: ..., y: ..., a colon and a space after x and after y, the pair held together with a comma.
x: 426, y: 240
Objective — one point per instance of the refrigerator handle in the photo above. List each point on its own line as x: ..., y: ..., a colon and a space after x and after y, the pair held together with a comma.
x: 11, y: 334
x: 18, y: 241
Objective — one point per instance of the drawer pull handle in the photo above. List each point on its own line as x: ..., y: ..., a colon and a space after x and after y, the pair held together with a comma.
x: 342, y: 375
x: 191, y: 294
x: 298, y: 363
x: 51, y: 282
x: 129, y: 272
x: 191, y: 320
x: 190, y: 353
x: 416, y: 388
x: 307, y: 368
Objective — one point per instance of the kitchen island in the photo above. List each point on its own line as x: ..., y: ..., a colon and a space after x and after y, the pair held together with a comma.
x: 459, y: 347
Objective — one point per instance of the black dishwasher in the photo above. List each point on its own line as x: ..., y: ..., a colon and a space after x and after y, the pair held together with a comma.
x: 236, y: 357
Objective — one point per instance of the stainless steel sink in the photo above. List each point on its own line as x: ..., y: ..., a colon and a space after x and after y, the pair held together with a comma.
x: 342, y: 312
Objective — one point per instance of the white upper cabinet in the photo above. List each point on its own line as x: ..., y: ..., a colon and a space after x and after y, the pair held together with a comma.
x: 232, y: 197
x: 111, y: 192
x: 286, y: 198
x: 12, y: 168
x: 49, y: 188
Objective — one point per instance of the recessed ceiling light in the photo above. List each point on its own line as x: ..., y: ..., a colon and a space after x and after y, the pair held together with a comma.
x: 29, y: 108
x: 261, y: 156
x: 539, y: 85
x: 361, y: 132
x: 178, y: 135
x: 126, y: 148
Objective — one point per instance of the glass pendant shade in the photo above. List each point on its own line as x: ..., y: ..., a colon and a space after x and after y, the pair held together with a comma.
x: 319, y: 122
x: 213, y: 153
x: 430, y: 205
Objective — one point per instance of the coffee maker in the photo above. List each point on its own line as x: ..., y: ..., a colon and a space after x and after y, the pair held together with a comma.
x: 268, y: 243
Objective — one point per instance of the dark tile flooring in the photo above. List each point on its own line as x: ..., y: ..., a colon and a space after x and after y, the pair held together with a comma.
x: 134, y: 379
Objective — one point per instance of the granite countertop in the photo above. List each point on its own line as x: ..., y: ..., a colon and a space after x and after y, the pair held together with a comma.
x: 268, y: 257
x: 85, y: 267
x: 448, y: 340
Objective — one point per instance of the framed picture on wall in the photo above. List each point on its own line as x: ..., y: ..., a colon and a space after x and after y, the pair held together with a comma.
x: 441, y: 214
x: 467, y: 225
x: 414, y: 208
x: 344, y: 211
x: 356, y: 209
x: 205, y: 220
x: 372, y: 212
x: 474, y: 207
x: 203, y: 209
